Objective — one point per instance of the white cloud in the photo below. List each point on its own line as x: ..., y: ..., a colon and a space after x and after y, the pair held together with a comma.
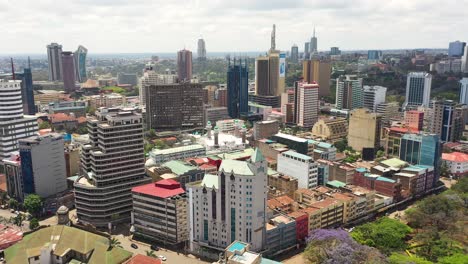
x: 240, y: 25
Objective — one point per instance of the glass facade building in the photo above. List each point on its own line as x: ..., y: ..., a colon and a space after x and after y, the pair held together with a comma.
x: 238, y: 90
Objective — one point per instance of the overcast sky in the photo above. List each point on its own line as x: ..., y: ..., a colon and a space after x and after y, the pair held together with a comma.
x: 137, y: 26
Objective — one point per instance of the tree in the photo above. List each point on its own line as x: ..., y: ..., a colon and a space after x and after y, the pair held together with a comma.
x: 341, y: 145
x: 385, y: 234
x: 152, y: 133
x: 44, y: 125
x: 150, y: 253
x: 33, y: 204
x: 397, y: 258
x: 114, y: 242
x: 33, y: 224
x: 18, y: 219
x: 13, y: 203
x: 454, y: 259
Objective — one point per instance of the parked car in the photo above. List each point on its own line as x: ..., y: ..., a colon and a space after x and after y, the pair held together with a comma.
x: 133, y: 245
x: 161, y: 257
x: 155, y: 248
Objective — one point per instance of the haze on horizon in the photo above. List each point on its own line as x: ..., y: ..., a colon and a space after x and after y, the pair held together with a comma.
x: 138, y: 26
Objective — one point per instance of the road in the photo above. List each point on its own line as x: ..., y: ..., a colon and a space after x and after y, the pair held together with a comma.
x: 172, y: 257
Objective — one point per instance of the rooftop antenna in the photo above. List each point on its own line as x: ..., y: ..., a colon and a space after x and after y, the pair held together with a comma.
x: 29, y: 62
x: 13, y: 69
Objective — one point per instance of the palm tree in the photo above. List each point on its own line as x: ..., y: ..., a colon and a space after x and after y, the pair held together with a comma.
x: 150, y: 253
x: 113, y: 242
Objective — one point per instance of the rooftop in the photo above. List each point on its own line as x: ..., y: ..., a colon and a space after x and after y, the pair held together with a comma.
x: 336, y: 184
x: 236, y: 166
x: 65, y: 238
x: 210, y: 181
x: 162, y: 189
x: 296, y: 155
x: 177, y: 149
x: 237, y: 245
x: 178, y: 167
x: 142, y: 259
x: 394, y: 162
x: 291, y: 137
x: 455, y: 157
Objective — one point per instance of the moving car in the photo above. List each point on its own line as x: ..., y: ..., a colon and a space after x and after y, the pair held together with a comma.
x: 133, y: 245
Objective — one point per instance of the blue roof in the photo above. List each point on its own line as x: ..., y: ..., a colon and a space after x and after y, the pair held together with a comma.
x: 269, y: 261
x: 361, y: 169
x: 239, y: 246
x: 385, y: 179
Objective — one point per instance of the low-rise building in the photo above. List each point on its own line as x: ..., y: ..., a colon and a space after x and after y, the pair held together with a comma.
x: 160, y: 212
x: 78, y: 108
x: 332, y: 129
x: 184, y: 171
x: 322, y: 150
x: 14, y: 178
x: 238, y: 253
x: 381, y: 185
x: 282, y: 204
x: 214, y: 114
x: 456, y: 163
x: 302, y: 225
x: 416, y: 179
x: 280, y: 235
x: 105, y: 100
x: 283, y: 184
x: 159, y: 156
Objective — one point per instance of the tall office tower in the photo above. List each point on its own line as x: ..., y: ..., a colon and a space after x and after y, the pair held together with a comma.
x: 373, y: 96
x: 80, y: 63
x: 111, y: 164
x: 174, y: 106
x: 306, y: 104
x: 414, y: 120
x: 448, y: 120
x: 335, y: 51
x: 313, y: 44
x: 54, y: 57
x: 68, y: 71
x: 418, y: 89
x: 422, y: 149
x: 456, y: 48
x: 349, y: 92
x: 201, y: 50
x: 301, y: 166
x: 306, y: 50
x: 27, y: 90
x: 43, y: 165
x: 318, y: 71
x: 464, y: 91
x: 238, y: 88
x: 464, y: 61
x: 374, y: 55
x: 151, y: 77
x: 273, y: 38
x: 262, y: 80
x: 184, y: 65
x: 230, y: 205
x: 270, y: 74
x: 294, y: 54
x: 13, y: 124
x: 364, y: 130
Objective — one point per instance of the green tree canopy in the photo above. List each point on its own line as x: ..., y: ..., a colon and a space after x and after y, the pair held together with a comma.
x: 33, y: 204
x: 398, y: 258
x: 33, y: 224
x: 44, y: 125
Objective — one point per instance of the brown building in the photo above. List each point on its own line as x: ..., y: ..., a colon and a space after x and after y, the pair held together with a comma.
x: 319, y: 72
x: 364, y: 130
x: 414, y: 119
x: 174, y: 106
x: 283, y: 184
x: 332, y: 129
x: 265, y: 129
x: 448, y: 120
x: 323, y: 211
x: 72, y: 160
x: 184, y: 65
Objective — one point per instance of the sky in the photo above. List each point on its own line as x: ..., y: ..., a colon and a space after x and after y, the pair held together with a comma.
x: 140, y: 26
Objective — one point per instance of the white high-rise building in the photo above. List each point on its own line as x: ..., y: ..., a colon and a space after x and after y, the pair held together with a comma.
x: 13, y: 124
x: 464, y: 61
x: 418, y: 89
x: 151, y: 77
x: 373, y: 96
x: 464, y: 91
x: 54, y: 58
x: 111, y: 164
x: 349, y: 92
x: 230, y: 205
x: 299, y: 166
x: 306, y: 104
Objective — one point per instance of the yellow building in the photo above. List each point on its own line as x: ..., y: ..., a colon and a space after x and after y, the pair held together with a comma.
x: 331, y: 129
x: 364, y: 129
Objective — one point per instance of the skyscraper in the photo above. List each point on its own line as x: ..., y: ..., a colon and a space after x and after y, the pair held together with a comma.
x: 151, y: 77
x: 270, y: 74
x: 13, y: 124
x: 174, y: 106
x: 464, y: 91
x: 294, y: 54
x: 313, y: 44
x: 273, y: 38
x: 201, y: 50
x: 373, y: 96
x: 349, y: 92
x: 54, y: 57
x: 306, y: 104
x: 374, y: 55
x: 456, y: 48
x: 306, y: 50
x: 27, y: 90
x: 111, y: 164
x: 184, y: 65
x: 335, y: 51
x: 464, y: 59
x: 68, y: 71
x: 448, y: 120
x: 238, y: 88
x: 80, y: 63
x: 418, y: 89
x: 230, y: 205
x: 318, y: 71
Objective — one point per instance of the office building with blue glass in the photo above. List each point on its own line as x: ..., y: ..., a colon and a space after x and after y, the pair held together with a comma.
x: 27, y: 91
x: 80, y: 63
x: 418, y: 89
x: 238, y: 88
x: 422, y: 149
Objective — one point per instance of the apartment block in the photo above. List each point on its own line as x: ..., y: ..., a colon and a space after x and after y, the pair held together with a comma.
x: 301, y: 166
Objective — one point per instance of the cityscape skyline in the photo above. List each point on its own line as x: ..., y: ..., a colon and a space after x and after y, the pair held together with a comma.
x: 331, y: 19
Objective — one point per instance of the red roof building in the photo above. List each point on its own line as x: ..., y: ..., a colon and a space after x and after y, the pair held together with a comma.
x: 161, y: 189
x: 9, y: 236
x: 457, y: 163
x: 142, y: 259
